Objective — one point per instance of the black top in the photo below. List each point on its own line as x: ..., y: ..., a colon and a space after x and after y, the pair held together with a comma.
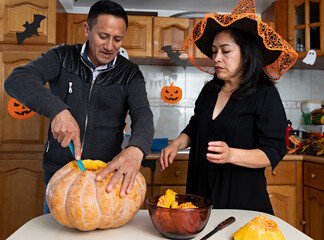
x: 256, y: 122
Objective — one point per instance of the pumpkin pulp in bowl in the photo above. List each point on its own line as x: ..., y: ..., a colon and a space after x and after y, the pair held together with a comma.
x: 180, y: 223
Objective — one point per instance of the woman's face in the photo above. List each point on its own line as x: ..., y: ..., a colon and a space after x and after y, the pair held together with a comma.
x: 227, y: 56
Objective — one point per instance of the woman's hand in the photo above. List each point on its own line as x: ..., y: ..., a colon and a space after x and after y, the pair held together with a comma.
x: 167, y: 156
x: 221, y: 152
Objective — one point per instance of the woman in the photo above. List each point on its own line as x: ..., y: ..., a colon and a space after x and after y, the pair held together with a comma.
x: 239, y: 124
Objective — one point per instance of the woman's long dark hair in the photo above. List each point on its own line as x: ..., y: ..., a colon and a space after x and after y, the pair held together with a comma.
x: 254, y: 74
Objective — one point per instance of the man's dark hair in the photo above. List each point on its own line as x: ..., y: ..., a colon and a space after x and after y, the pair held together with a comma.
x: 254, y: 74
x: 106, y: 7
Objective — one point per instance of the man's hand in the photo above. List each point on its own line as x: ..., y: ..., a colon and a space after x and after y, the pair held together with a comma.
x: 65, y: 129
x: 127, y: 163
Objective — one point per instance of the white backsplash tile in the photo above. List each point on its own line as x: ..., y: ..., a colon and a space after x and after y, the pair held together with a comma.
x: 317, y: 85
x: 170, y: 119
x: 300, y: 84
x: 189, y: 113
x: 284, y: 85
x: 195, y: 80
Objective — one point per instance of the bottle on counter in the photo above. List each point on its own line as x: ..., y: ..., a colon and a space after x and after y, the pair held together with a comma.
x: 288, y: 129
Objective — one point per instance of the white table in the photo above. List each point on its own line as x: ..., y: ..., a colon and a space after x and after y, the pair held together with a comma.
x: 140, y: 227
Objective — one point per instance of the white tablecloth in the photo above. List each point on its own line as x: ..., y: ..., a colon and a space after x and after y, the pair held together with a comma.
x: 140, y: 227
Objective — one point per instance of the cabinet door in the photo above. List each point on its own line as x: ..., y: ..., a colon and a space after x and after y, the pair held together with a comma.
x: 284, y: 202
x: 170, y: 31
x: 27, y: 135
x: 314, y: 213
x: 21, y: 191
x: 138, y: 39
x: 305, y: 26
x: 15, y: 13
x: 74, y: 26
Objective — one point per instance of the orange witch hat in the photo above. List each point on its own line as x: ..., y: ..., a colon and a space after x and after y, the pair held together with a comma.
x: 278, y: 55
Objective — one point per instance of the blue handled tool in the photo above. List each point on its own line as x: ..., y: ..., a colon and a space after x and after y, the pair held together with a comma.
x: 79, y: 162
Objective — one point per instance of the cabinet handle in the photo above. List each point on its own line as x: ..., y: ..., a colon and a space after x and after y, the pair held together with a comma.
x: 274, y: 172
x: 303, y: 222
x: 177, y: 173
x: 313, y: 175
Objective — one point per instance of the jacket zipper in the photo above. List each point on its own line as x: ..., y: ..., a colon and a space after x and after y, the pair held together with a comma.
x: 86, y: 119
x: 70, y: 87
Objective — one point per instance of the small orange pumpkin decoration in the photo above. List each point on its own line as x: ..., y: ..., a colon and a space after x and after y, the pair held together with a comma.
x: 77, y: 200
x: 19, y: 111
x: 171, y: 94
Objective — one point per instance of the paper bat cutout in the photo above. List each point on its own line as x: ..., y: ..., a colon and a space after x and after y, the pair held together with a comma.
x: 31, y: 28
x: 174, y: 56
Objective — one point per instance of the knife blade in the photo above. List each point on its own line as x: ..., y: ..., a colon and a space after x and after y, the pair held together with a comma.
x: 79, y: 162
x: 220, y: 226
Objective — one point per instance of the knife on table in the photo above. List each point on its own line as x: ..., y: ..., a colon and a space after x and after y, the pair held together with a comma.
x: 79, y: 162
x: 220, y: 226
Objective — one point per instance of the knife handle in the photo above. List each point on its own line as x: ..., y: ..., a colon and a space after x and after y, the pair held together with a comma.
x: 226, y: 222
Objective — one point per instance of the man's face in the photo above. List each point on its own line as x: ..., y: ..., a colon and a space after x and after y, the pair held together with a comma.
x: 105, y: 38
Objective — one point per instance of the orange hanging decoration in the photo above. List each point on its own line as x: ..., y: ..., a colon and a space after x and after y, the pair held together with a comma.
x: 19, y: 111
x: 171, y: 94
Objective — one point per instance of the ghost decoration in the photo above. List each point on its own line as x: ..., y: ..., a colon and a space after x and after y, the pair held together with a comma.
x: 310, y: 57
x: 123, y: 52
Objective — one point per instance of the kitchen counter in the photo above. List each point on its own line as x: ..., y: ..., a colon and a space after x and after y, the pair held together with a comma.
x: 184, y: 155
x: 140, y: 227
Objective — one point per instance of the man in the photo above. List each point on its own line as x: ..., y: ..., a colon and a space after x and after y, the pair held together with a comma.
x: 92, y: 88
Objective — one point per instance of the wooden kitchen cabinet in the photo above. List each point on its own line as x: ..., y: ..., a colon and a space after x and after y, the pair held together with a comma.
x: 22, y: 141
x: 285, y: 185
x: 28, y: 135
x: 15, y: 13
x: 285, y: 188
x: 74, y: 28
x: 170, y: 31
x: 21, y: 150
x: 138, y: 39
x: 306, y: 26
x: 21, y: 190
x: 314, y: 200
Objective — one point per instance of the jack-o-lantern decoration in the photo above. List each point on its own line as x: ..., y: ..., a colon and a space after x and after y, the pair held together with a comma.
x: 171, y: 94
x: 19, y: 111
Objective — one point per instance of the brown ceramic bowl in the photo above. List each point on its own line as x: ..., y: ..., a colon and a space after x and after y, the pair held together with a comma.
x: 180, y: 223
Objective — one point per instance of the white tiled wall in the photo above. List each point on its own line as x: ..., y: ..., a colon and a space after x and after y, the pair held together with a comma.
x: 294, y: 87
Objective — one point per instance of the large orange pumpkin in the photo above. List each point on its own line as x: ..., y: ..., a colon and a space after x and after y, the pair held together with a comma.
x: 77, y: 200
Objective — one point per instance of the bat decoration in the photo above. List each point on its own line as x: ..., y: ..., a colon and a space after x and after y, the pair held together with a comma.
x: 31, y: 28
x: 174, y: 56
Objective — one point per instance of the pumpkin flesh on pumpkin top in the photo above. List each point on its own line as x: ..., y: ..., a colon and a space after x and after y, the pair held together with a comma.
x: 77, y: 200
x: 259, y: 228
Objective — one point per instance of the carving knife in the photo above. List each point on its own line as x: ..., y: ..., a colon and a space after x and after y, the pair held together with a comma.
x: 79, y: 162
x: 220, y: 226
